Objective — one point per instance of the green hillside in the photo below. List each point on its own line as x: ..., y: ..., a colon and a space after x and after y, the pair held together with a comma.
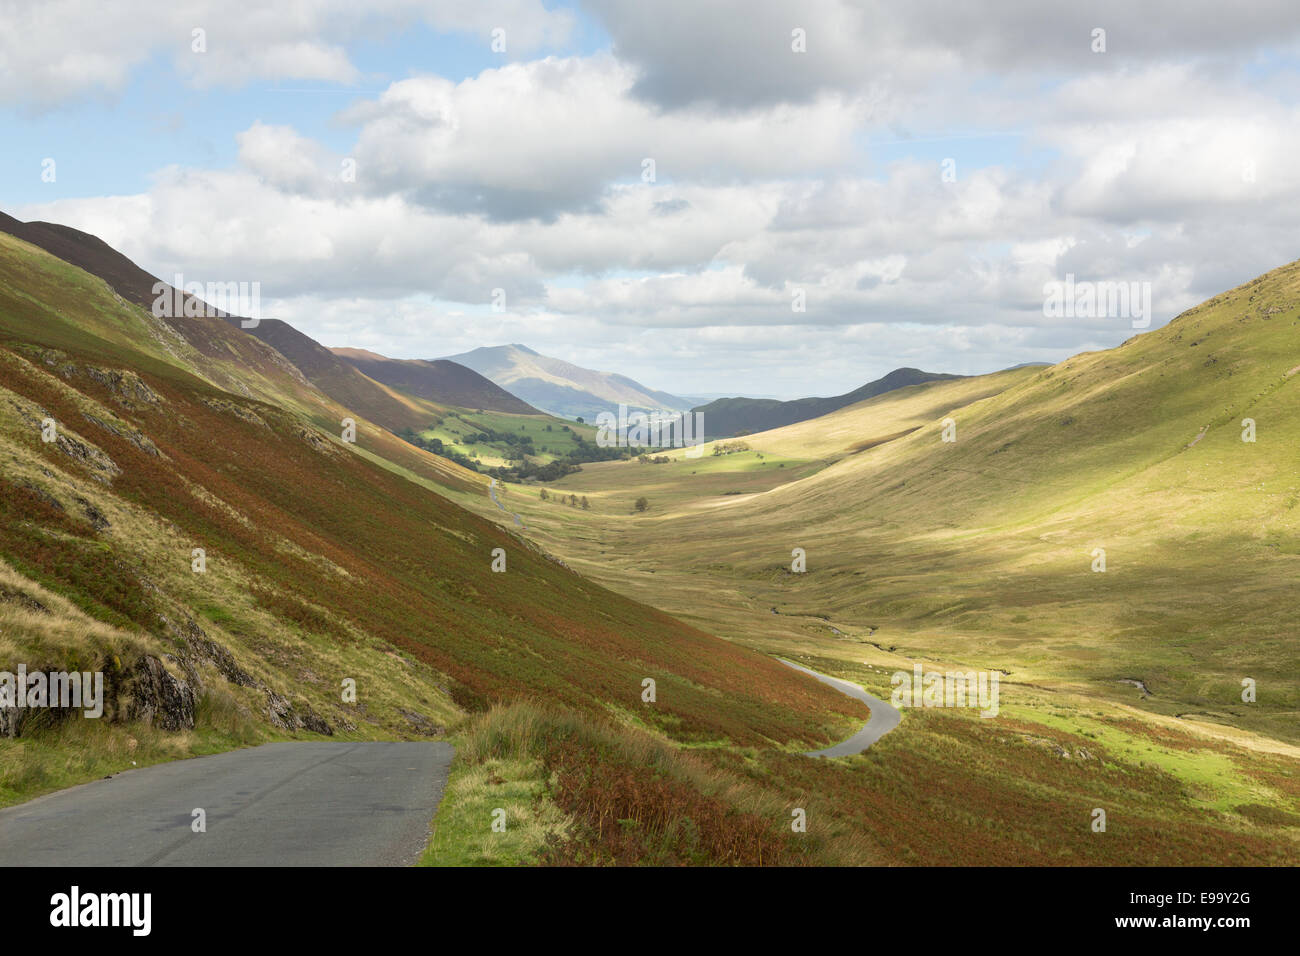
x: 729, y: 417
x: 979, y: 554
x: 371, y: 562
x: 324, y: 562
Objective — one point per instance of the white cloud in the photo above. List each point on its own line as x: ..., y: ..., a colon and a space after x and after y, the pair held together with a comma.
x: 1162, y: 163
x: 53, y: 51
x: 538, y: 138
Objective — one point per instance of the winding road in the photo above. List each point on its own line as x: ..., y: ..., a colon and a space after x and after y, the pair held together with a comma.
x: 884, y: 716
x: 492, y: 490
x: 282, y: 804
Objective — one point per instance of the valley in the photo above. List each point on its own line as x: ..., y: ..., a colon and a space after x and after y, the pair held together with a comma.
x: 981, y: 554
x: 1067, y: 528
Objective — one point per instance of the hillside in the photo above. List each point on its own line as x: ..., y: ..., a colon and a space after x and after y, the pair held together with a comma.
x: 340, y: 380
x: 440, y: 381
x: 562, y: 388
x: 328, y: 562
x: 728, y: 417
x: 982, y: 547
x: 322, y: 564
x: 986, y: 553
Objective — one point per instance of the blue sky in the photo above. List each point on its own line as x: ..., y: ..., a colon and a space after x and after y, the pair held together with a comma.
x: 781, y: 174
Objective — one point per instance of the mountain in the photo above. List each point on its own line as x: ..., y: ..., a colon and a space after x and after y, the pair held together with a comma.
x: 179, y: 511
x: 562, y: 388
x: 441, y: 381
x: 727, y: 417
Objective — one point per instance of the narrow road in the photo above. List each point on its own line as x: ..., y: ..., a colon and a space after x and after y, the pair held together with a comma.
x: 281, y: 804
x: 492, y: 490
x: 884, y: 716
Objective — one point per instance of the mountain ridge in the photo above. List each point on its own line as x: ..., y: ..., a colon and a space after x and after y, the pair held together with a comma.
x: 560, y: 387
x: 727, y: 417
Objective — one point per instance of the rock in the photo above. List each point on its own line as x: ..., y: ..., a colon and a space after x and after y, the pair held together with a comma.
x: 202, y: 650
x: 19, y: 597
x: 133, y: 435
x: 239, y: 411
x: 421, y: 724
x: 156, y: 697
x: 94, y: 515
x: 104, y: 467
x: 282, y: 713
x: 125, y: 386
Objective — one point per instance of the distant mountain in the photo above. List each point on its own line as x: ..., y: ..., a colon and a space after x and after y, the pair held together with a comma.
x: 730, y: 416
x: 563, y: 388
x: 440, y: 380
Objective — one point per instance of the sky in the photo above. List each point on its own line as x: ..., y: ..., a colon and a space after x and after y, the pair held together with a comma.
x: 710, y: 196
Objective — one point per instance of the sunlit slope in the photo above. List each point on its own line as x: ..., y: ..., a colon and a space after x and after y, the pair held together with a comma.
x: 734, y: 416
x: 982, y: 549
x: 882, y: 419
x: 1168, y: 405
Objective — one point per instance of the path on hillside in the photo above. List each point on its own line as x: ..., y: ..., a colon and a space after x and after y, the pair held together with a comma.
x: 281, y: 804
x: 492, y: 490
x: 884, y: 716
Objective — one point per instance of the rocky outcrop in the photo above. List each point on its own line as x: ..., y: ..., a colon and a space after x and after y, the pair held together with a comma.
x: 155, y: 696
x: 136, y: 437
x: 199, y: 649
x: 239, y: 411
x: 144, y: 691
x: 421, y: 724
x: 126, y: 386
x: 22, y: 599
x: 283, y: 714
x: 101, y: 466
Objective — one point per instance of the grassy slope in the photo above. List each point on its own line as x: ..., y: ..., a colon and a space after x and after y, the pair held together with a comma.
x: 978, y: 553
x: 726, y: 417
x: 324, y: 561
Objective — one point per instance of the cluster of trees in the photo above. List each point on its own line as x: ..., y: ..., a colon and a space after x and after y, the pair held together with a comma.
x: 571, y: 500
x: 436, y: 446
x: 522, y: 444
x: 519, y: 470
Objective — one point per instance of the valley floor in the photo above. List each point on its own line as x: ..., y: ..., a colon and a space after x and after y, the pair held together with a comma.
x: 1183, y: 771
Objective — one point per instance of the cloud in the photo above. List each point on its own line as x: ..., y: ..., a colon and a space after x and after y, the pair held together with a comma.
x: 56, y: 51
x: 1166, y: 160
x: 738, y: 54
x: 550, y: 136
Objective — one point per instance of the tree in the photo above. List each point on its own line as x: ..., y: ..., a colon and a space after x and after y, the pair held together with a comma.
x: 642, y: 504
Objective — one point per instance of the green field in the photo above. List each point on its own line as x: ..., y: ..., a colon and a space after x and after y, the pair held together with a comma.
x: 551, y: 437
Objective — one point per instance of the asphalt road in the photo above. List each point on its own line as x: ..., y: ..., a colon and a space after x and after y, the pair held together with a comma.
x: 884, y: 716
x: 282, y: 804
